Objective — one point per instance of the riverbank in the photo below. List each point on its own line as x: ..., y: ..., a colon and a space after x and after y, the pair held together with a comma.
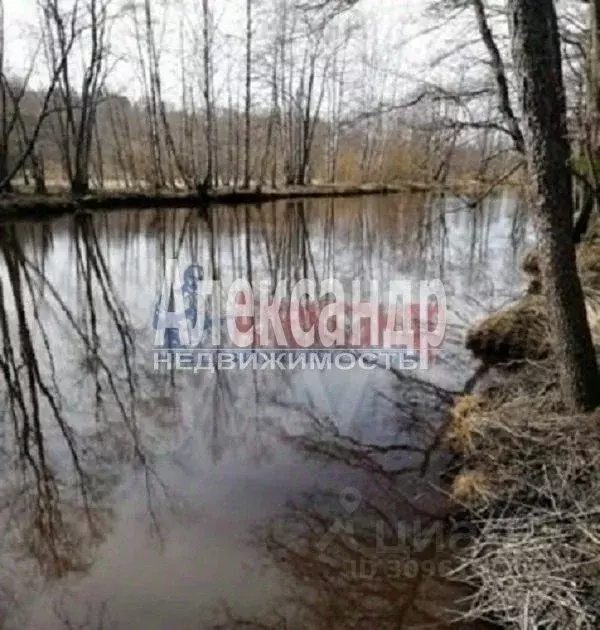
x: 30, y: 206
x: 530, y: 472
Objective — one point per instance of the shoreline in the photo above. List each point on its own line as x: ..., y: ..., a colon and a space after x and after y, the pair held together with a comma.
x: 28, y: 206
x: 525, y: 473
x: 17, y: 206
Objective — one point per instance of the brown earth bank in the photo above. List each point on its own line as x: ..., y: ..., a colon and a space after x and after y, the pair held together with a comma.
x: 30, y: 206
x: 529, y: 474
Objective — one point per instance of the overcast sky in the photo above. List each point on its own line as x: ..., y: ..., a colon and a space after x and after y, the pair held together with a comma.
x: 393, y: 26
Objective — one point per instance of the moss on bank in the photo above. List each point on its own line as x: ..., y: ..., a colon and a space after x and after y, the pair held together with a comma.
x: 530, y: 476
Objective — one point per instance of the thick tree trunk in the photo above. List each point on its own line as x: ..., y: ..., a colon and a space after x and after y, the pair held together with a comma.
x: 537, y: 59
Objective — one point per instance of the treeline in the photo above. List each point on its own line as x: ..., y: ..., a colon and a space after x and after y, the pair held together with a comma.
x: 119, y: 155
x: 298, y: 97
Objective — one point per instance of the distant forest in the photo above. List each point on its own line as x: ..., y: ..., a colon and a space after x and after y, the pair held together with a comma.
x: 382, y: 149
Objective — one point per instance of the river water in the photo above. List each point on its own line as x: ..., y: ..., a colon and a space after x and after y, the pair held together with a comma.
x: 137, y: 497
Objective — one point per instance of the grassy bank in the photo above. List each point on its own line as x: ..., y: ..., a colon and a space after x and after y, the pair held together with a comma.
x: 27, y: 206
x: 530, y: 476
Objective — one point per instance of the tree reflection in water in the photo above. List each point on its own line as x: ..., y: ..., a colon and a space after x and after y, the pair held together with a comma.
x: 57, y: 473
x: 83, y: 407
x: 382, y: 557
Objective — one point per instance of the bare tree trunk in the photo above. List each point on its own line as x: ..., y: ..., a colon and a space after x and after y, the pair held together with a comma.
x: 118, y: 150
x: 99, y: 158
x: 537, y: 59
x: 592, y: 143
x: 39, y: 175
x: 270, y: 123
x: 497, y: 65
x: 4, y: 118
x: 206, y: 52
x: 217, y: 175
x: 59, y: 62
x: 147, y: 58
x: 338, y: 88
x: 229, y: 176
x: 248, y: 104
x: 77, y: 123
x: 595, y: 55
x: 153, y: 105
x: 238, y: 142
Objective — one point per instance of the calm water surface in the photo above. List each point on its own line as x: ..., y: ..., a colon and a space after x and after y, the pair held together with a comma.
x: 132, y: 498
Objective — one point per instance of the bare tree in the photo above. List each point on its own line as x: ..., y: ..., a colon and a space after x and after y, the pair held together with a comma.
x: 207, y: 91
x: 149, y: 63
x: 5, y: 126
x: 77, y: 118
x: 248, y: 103
x: 13, y: 131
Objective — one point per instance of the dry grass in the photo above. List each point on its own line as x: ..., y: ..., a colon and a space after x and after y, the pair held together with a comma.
x: 532, y: 485
x: 521, y: 331
x: 517, y: 332
x: 588, y: 260
x: 472, y: 487
x: 531, y: 477
x: 462, y: 429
